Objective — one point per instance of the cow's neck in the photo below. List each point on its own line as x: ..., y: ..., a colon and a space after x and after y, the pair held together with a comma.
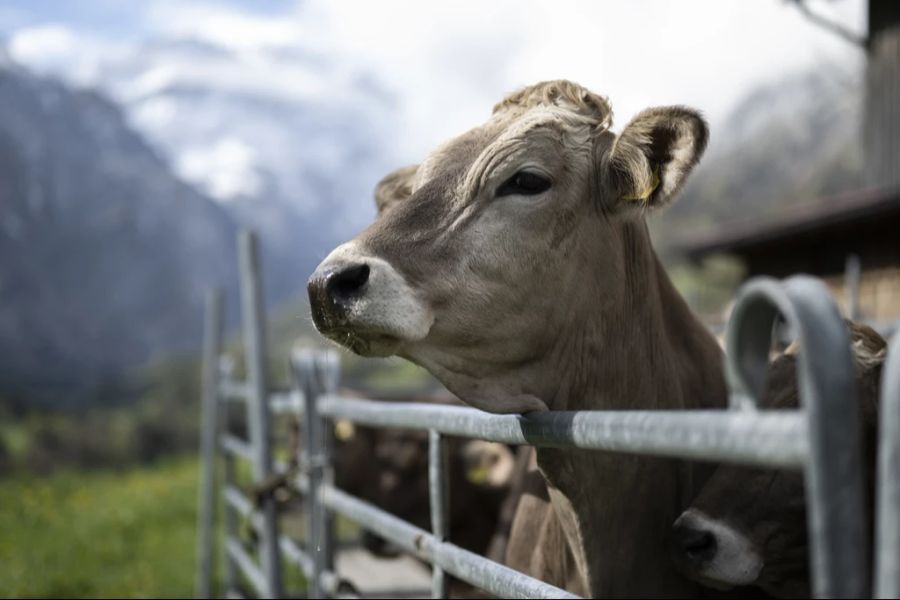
x: 617, y: 510
x: 645, y: 349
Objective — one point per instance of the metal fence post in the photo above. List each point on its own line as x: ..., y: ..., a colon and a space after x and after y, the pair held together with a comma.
x: 827, y: 378
x: 229, y: 516
x: 438, y: 495
x: 317, y: 373
x: 304, y: 371
x: 887, y: 523
x: 209, y: 430
x: 252, y: 309
x: 231, y: 526
x: 225, y: 370
x: 328, y: 371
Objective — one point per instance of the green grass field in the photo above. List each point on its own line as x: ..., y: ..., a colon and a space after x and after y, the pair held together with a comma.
x: 100, y: 534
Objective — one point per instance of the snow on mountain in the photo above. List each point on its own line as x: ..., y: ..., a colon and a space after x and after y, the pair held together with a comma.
x: 289, y: 141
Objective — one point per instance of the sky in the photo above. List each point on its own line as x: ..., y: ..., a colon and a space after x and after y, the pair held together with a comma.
x: 447, y: 62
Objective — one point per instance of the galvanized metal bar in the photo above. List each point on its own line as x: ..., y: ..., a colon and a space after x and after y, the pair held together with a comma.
x: 302, y: 483
x: 887, y: 523
x: 232, y: 390
x: 438, y: 487
x: 329, y: 580
x: 235, y: 446
x: 252, y: 307
x: 764, y: 438
x: 249, y: 569
x: 280, y: 401
x: 226, y: 368
x: 290, y: 402
x: 472, y: 568
x: 209, y: 429
x: 236, y: 500
x: 328, y: 373
x: 834, y: 482
x: 303, y: 365
x: 289, y: 548
x: 230, y: 523
x: 297, y: 555
x: 331, y: 584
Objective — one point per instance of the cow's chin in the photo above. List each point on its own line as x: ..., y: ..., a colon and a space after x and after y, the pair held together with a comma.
x: 377, y: 338
x: 372, y: 344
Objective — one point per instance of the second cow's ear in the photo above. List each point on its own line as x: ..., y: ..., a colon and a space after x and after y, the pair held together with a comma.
x: 395, y: 187
x: 652, y: 157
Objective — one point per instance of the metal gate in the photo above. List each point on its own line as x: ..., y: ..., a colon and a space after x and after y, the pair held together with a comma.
x: 818, y: 439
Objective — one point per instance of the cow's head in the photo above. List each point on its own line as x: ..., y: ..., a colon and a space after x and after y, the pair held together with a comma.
x: 748, y: 526
x: 487, y: 254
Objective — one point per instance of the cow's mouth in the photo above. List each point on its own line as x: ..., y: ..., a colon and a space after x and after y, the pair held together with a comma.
x: 358, y: 338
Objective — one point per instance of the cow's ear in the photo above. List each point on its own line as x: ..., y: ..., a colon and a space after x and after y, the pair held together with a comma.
x: 395, y: 187
x: 650, y: 160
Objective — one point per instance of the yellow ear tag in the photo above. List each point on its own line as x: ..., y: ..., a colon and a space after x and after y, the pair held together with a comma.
x: 344, y: 430
x: 654, y: 183
x: 478, y: 474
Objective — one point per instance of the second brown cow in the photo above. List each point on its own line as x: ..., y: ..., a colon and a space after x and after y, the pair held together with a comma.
x: 748, y: 526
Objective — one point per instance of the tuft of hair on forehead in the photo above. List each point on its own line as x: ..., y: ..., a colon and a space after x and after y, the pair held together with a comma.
x: 593, y: 108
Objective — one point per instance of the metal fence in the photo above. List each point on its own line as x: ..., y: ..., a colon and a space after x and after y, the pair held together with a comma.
x: 819, y: 438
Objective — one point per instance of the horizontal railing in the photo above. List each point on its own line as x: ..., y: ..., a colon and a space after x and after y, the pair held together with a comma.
x: 772, y: 438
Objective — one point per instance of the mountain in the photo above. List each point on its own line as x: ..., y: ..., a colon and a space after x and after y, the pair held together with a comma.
x: 288, y: 141
x: 793, y: 140
x: 120, y: 195
x: 104, y: 254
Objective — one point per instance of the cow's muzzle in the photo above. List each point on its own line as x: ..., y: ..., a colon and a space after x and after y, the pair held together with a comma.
x: 363, y: 303
x: 713, y: 553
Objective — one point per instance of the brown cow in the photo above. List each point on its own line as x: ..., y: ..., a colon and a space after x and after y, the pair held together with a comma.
x: 748, y: 526
x: 389, y: 468
x: 514, y: 263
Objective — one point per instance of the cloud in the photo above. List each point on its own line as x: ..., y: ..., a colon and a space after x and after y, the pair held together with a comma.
x: 446, y: 63
x: 227, y: 169
x: 450, y: 61
x: 226, y: 26
x: 56, y: 49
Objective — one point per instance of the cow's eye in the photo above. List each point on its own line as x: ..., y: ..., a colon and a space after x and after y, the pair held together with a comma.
x: 524, y: 183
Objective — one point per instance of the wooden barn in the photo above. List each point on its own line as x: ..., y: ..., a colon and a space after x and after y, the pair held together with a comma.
x: 852, y: 241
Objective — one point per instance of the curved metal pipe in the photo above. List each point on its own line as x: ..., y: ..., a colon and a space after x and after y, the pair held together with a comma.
x: 828, y: 393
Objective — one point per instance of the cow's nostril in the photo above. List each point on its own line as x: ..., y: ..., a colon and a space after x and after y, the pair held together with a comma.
x: 347, y: 282
x: 695, y: 544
